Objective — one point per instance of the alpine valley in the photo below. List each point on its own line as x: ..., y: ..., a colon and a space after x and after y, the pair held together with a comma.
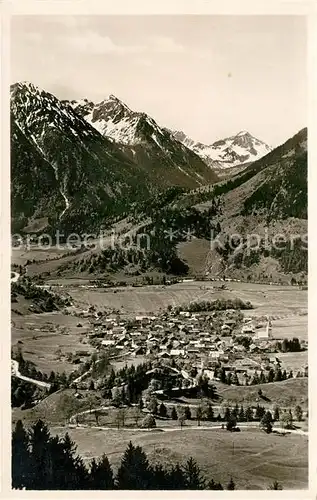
x: 154, y: 321
x: 77, y: 166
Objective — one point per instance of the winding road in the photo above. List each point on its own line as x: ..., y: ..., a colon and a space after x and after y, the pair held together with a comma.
x: 186, y: 428
x: 16, y: 373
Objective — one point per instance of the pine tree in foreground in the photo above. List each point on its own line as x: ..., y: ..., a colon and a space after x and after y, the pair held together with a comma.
x: 134, y: 472
x: 194, y: 480
x: 101, y: 475
x: 275, y: 486
x: 43, y: 462
x: 20, y: 457
x: 231, y: 485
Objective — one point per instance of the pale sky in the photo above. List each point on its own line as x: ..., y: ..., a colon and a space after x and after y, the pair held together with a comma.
x: 209, y: 76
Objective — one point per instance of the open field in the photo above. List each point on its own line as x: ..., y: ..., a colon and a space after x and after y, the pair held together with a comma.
x: 293, y: 326
x: 293, y: 360
x: 286, y: 305
x: 21, y: 256
x: 276, y: 301
x: 46, y: 338
x: 253, y: 458
x: 287, y: 393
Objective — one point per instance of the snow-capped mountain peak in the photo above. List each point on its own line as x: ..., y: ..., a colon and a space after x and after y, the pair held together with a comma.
x: 36, y: 111
x: 115, y: 120
x: 232, y: 151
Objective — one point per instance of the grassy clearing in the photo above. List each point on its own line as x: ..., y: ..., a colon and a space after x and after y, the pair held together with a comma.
x: 46, y: 338
x: 293, y: 360
x: 252, y: 458
x: 21, y: 256
x: 53, y: 409
x: 287, y: 393
x: 276, y: 301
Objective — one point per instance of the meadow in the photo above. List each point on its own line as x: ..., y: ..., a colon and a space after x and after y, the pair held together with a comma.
x: 47, y: 338
x: 253, y: 458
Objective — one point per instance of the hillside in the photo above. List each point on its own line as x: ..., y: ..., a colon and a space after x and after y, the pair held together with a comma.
x: 92, y: 164
x: 267, y: 199
x: 63, y: 169
x: 287, y: 393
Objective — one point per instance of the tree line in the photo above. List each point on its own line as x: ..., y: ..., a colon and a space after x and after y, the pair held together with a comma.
x: 215, y: 305
x: 43, y: 462
x: 231, y: 377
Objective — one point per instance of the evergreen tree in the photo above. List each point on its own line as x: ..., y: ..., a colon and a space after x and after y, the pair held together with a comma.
x: 231, y: 485
x: 259, y: 412
x: 176, y: 479
x: 209, y: 413
x: 193, y: 477
x: 235, y: 411
x: 223, y: 376
x: 152, y: 405
x: 227, y: 415
x: 275, y: 486
x: 270, y: 376
x: 199, y: 414
x: 20, y: 457
x: 160, y: 478
x: 174, y: 413
x: 286, y: 419
x: 187, y: 413
x: 231, y: 424
x: 116, y: 396
x: 212, y: 485
x: 278, y: 375
x: 101, y: 475
x: 249, y: 414
x: 234, y: 379
x: 40, y: 458
x: 298, y: 413
x: 162, y: 410
x: 134, y: 472
x: 262, y: 379
x: 266, y: 422
x: 74, y: 475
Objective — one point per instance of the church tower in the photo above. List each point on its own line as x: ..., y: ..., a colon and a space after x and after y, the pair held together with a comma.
x: 269, y: 329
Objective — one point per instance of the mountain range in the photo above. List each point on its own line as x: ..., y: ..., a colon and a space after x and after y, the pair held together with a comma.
x: 80, y: 166
x: 64, y: 169
x: 237, y: 150
x: 145, y: 142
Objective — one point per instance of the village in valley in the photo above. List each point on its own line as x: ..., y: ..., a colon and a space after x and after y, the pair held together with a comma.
x: 159, y: 253
x: 227, y: 346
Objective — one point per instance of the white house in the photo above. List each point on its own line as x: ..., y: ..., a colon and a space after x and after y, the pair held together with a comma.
x: 108, y: 342
x: 177, y: 352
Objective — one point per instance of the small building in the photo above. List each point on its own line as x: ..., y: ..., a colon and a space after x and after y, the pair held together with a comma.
x: 225, y: 328
x: 248, y: 328
x: 106, y: 342
x: 177, y: 352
